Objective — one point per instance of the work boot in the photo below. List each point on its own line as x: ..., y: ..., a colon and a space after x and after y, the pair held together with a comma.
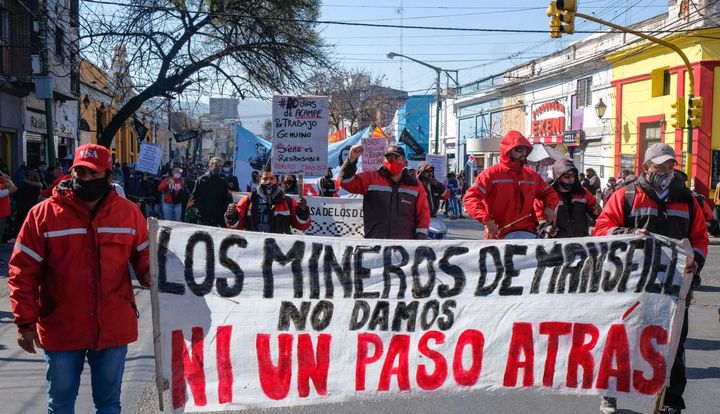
x: 670, y: 410
x: 608, y: 405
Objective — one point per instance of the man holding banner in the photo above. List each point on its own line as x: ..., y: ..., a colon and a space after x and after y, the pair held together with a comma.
x: 503, y: 195
x: 70, y: 286
x: 268, y: 209
x: 659, y: 202
x: 394, y: 202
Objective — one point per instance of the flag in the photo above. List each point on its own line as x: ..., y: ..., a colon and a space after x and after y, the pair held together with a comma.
x: 337, y: 136
x: 140, y: 129
x: 377, y: 132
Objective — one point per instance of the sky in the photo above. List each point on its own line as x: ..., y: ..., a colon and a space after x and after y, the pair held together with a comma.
x: 474, y: 54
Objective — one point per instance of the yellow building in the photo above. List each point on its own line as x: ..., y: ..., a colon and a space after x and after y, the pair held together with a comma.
x: 98, y: 104
x: 647, y: 81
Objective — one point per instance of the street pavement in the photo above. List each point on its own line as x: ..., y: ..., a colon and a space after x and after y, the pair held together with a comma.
x: 23, y: 386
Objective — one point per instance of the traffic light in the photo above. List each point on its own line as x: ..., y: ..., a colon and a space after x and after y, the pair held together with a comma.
x: 567, y: 10
x: 555, y: 23
x: 678, y: 113
x: 695, y: 111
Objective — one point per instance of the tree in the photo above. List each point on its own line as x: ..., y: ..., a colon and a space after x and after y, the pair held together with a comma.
x: 267, y: 130
x: 254, y: 47
x: 354, y: 95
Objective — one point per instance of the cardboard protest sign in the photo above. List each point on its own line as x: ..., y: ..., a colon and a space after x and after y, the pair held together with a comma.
x: 374, y: 154
x: 149, y: 158
x: 299, y: 135
x: 261, y: 320
x: 439, y: 163
x: 331, y: 216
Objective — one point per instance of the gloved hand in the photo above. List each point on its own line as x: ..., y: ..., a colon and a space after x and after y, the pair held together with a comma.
x: 231, y: 214
x: 302, y: 204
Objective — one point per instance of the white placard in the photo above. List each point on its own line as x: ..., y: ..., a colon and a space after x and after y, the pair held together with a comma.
x: 374, y: 154
x: 149, y: 158
x: 299, y: 135
x: 439, y: 163
x: 261, y: 320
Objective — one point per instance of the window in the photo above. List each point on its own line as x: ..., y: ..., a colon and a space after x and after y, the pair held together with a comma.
x: 4, y: 24
x: 660, y: 79
x: 584, y: 93
x: 59, y: 40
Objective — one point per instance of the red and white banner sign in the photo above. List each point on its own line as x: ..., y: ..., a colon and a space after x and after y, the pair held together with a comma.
x: 257, y: 320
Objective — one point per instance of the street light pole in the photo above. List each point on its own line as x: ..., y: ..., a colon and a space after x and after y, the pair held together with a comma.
x: 438, y: 71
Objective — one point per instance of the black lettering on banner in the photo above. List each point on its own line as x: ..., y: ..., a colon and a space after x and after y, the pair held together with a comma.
x: 313, y: 271
x: 592, y: 272
x: 288, y: 312
x: 453, y: 270
x: 343, y: 273
x: 391, y: 269
x: 447, y: 319
x: 423, y: 253
x: 356, y: 320
x: 648, y: 253
x: 494, y: 253
x: 668, y: 287
x: 222, y: 284
x: 321, y: 315
x: 610, y: 282
x: 380, y: 316
x: 272, y: 253
x: 553, y: 259
x: 163, y: 285
x: 363, y: 272
x: 572, y: 250
x: 205, y: 287
x: 658, y: 267
x: 630, y: 264
x: 506, y: 288
x: 407, y: 312
x: 429, y: 306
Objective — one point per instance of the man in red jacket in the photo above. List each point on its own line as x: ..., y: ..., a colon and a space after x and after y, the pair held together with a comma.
x: 659, y: 202
x: 503, y: 195
x: 70, y: 286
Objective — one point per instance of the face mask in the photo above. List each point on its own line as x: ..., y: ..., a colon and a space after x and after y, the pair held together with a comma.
x: 90, y: 190
x: 566, y: 186
x: 393, y: 167
x: 176, y: 175
x: 660, y: 181
x: 226, y: 169
x: 268, y: 189
x: 217, y: 170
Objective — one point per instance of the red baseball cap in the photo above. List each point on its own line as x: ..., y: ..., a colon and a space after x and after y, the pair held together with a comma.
x: 92, y: 156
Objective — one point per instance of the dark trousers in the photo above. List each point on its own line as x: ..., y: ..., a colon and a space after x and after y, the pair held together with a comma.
x: 676, y: 388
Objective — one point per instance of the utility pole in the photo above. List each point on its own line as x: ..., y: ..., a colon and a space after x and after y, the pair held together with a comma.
x: 44, y: 56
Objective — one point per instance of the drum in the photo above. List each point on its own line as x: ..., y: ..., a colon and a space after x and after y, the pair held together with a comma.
x: 438, y: 229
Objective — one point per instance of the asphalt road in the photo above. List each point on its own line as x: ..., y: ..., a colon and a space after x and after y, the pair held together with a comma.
x: 23, y: 386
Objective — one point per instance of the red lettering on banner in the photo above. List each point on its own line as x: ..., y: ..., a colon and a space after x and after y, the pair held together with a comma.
x: 655, y: 359
x: 274, y: 380
x: 437, y: 378
x: 188, y: 368
x: 553, y: 330
x: 399, y: 349
x: 313, y: 365
x: 580, y: 354
x: 520, y: 342
x: 224, y: 365
x: 617, y: 349
x: 476, y: 341
x: 363, y: 359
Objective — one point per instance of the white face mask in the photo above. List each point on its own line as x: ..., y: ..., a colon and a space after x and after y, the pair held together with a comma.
x: 176, y: 175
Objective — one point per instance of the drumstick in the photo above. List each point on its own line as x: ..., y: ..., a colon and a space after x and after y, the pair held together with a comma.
x: 514, y: 222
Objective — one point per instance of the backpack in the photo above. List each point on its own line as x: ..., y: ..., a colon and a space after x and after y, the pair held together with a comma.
x: 630, y: 191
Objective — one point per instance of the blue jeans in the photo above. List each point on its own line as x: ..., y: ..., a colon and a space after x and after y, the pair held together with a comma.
x: 172, y: 212
x: 106, y: 372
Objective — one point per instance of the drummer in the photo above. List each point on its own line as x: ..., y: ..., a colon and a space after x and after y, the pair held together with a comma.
x: 394, y: 202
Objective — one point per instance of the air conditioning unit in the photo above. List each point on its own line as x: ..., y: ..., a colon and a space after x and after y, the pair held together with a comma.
x: 35, y: 64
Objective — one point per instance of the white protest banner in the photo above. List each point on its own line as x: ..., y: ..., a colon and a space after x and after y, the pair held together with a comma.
x: 261, y: 320
x: 374, y: 154
x: 149, y: 158
x: 331, y: 216
x: 299, y: 135
x: 439, y: 163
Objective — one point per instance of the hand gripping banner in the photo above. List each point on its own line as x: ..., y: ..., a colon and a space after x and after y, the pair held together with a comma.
x: 248, y: 319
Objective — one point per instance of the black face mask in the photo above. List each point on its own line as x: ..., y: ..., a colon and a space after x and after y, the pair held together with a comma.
x: 90, y: 190
x: 268, y: 189
x: 566, y: 186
